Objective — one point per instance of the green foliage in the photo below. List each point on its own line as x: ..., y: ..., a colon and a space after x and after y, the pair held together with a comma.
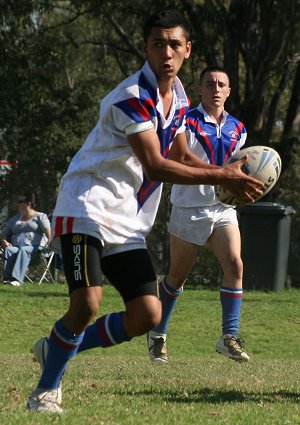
x: 60, y: 58
x: 41, y: 102
x: 120, y: 386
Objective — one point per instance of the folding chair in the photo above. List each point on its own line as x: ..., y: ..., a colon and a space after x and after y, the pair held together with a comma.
x: 44, y: 266
x: 39, y: 267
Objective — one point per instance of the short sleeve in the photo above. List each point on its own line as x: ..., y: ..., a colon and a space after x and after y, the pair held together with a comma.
x: 138, y: 127
x: 133, y: 115
x: 44, y: 221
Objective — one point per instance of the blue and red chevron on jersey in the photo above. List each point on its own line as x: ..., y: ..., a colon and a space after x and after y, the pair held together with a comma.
x: 217, y: 149
x: 144, y: 109
x: 110, y: 187
x: 166, y: 137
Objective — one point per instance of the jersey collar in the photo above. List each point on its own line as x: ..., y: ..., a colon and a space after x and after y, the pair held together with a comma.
x: 179, y: 97
x: 207, y: 118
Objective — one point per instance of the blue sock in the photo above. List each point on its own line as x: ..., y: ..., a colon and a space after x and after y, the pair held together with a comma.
x: 168, y: 297
x: 62, y: 346
x: 108, y: 330
x: 231, y: 301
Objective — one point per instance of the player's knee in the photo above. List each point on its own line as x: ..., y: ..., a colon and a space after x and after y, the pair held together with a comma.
x: 235, y: 268
x: 85, y: 310
x: 154, y: 317
x: 142, y: 321
x: 175, y: 281
x: 89, y: 311
x: 238, y: 267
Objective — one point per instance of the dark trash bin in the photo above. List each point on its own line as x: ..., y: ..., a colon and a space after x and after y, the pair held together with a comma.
x: 265, y: 237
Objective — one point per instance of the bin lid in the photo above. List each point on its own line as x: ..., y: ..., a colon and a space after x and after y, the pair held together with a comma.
x: 266, y: 208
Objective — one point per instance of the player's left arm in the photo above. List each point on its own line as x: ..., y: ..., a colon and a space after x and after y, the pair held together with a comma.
x: 180, y: 152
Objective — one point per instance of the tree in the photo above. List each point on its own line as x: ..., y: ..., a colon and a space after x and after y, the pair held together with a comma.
x: 59, y: 58
x: 45, y: 105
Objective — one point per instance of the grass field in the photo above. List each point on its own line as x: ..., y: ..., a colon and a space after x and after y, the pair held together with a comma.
x: 119, y: 386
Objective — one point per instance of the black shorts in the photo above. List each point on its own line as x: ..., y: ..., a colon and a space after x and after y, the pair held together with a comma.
x: 130, y: 272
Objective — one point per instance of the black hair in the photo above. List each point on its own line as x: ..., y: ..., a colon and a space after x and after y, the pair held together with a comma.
x: 165, y: 18
x: 212, y: 68
x: 29, y: 197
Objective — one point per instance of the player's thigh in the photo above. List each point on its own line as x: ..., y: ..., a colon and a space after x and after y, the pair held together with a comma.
x: 182, y: 257
x: 225, y: 243
x: 81, y: 255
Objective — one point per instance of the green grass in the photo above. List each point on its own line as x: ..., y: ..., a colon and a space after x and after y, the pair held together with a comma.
x: 119, y: 386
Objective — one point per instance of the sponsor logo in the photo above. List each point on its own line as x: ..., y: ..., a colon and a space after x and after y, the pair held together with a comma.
x: 204, y: 133
x: 77, y: 265
x: 76, y: 239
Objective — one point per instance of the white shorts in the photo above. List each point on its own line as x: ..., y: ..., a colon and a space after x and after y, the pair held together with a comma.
x: 64, y: 225
x: 196, y: 224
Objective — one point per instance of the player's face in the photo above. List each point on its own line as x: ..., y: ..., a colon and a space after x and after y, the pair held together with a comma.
x: 214, y: 89
x: 165, y: 50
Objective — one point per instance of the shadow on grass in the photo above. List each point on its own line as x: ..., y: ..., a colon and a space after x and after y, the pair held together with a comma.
x: 208, y: 395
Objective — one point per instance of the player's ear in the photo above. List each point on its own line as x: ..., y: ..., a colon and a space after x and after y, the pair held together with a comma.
x: 229, y: 91
x: 188, y: 49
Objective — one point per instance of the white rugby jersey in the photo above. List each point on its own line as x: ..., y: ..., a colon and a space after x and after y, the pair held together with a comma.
x: 105, y: 180
x: 214, y: 144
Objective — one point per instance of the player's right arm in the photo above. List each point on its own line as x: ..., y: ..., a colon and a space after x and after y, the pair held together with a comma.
x: 146, y: 147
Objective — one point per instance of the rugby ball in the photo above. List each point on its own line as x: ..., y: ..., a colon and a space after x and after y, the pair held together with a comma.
x: 263, y: 163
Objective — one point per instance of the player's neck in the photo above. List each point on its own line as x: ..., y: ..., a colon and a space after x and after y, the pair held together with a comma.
x: 166, y: 94
x: 165, y: 87
x: 216, y: 114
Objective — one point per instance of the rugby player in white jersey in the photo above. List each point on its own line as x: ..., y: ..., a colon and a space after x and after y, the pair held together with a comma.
x: 198, y: 218
x: 108, y: 200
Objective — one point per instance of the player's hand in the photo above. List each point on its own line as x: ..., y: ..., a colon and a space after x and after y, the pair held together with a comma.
x: 244, y: 188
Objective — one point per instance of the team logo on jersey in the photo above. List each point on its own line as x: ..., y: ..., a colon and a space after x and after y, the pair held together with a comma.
x: 233, y: 134
x: 204, y: 133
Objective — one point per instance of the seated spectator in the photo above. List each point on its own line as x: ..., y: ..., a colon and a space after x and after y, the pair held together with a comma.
x: 24, y: 234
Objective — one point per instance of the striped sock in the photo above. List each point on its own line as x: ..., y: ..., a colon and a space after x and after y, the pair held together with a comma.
x: 231, y: 301
x: 62, y: 346
x: 168, y: 297
x: 108, y: 330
